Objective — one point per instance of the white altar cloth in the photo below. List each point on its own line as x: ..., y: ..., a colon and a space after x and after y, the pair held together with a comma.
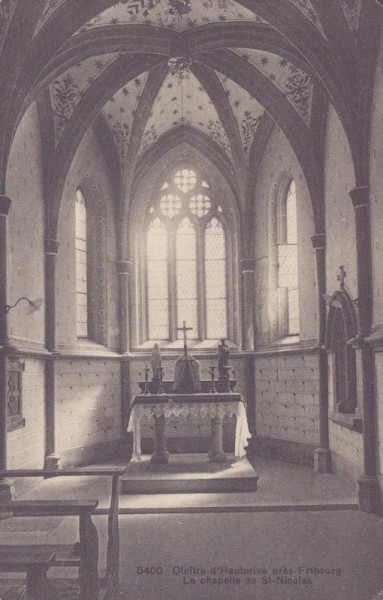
x: 206, y: 409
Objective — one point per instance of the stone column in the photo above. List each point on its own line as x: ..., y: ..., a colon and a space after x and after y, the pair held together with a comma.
x: 216, y: 453
x: 322, y: 457
x: 51, y: 249
x: 126, y: 446
x: 5, y: 204
x: 368, y: 484
x: 123, y: 268
x: 160, y: 455
x: 52, y: 458
x: 248, y: 270
x: 5, y: 484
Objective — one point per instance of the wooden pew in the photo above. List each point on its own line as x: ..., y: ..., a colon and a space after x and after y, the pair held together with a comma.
x: 86, y: 555
x: 32, y: 560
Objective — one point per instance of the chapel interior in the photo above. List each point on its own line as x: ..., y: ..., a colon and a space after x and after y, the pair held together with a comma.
x: 193, y: 172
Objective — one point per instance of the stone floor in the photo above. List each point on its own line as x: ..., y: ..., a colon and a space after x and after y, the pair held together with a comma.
x: 298, y: 537
x: 280, y: 483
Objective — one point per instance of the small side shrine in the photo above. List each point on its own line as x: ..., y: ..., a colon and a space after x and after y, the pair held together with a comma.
x: 186, y: 394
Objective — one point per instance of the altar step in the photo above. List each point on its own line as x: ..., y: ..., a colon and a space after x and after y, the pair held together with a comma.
x: 189, y: 473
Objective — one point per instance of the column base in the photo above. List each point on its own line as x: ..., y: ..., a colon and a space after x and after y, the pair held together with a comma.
x: 160, y: 459
x: 322, y: 460
x: 368, y: 494
x: 5, y: 498
x: 52, y: 462
x: 217, y: 457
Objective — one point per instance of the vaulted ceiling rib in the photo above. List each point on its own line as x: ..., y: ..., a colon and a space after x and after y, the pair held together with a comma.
x: 248, y: 58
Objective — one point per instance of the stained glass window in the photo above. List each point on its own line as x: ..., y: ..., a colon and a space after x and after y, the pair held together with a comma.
x: 170, y: 205
x: 215, y: 279
x: 158, y: 294
x: 186, y: 259
x: 200, y: 205
x: 81, y: 267
x: 288, y: 258
x: 186, y: 278
x: 185, y: 180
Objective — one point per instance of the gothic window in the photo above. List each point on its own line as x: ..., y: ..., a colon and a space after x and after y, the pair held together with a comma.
x: 82, y: 325
x: 186, y: 263
x: 215, y: 278
x: 287, y: 250
x: 158, y: 280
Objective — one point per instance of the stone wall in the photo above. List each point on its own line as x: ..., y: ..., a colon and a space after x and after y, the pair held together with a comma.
x: 345, y: 444
x: 376, y: 208
x: 379, y: 392
x: 339, y: 181
x: 88, y: 409
x: 376, y: 177
x: 26, y: 232
x: 89, y: 172
x: 287, y: 405
x: 280, y: 160
x: 25, y: 266
x: 346, y: 451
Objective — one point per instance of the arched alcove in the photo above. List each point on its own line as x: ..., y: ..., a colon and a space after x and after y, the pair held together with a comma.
x: 209, y: 202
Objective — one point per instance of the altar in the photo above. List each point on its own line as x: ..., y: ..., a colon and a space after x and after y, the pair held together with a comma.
x: 187, y: 396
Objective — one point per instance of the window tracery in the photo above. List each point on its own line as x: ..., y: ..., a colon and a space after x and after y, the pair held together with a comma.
x: 186, y: 263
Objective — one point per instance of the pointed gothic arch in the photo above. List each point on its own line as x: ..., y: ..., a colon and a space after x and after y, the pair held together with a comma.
x: 341, y: 328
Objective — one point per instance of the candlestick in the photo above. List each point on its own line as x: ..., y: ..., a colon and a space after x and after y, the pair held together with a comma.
x: 146, y: 388
x: 161, y: 387
x: 226, y: 379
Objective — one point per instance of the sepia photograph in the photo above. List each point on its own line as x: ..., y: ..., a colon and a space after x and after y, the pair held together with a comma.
x: 191, y: 299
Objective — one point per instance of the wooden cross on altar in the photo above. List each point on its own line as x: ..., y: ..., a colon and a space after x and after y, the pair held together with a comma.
x: 185, y: 330
x: 341, y: 276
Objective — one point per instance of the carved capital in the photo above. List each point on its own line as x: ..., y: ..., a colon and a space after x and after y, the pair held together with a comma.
x: 319, y: 241
x: 360, y: 196
x: 51, y: 246
x: 248, y: 264
x: 5, y: 204
x: 123, y: 267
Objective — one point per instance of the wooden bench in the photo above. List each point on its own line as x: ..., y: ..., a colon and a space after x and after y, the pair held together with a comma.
x: 32, y: 560
x: 83, y: 554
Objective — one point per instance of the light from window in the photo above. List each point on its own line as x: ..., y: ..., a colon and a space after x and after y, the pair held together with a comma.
x: 158, y: 293
x: 185, y: 180
x: 215, y: 279
x: 291, y: 215
x: 186, y: 278
x: 288, y: 259
x: 200, y: 205
x: 170, y: 205
x: 186, y: 258
x: 81, y: 267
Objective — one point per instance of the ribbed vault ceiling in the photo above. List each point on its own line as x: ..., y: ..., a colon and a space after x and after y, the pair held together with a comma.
x: 105, y: 64
x: 178, y: 102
